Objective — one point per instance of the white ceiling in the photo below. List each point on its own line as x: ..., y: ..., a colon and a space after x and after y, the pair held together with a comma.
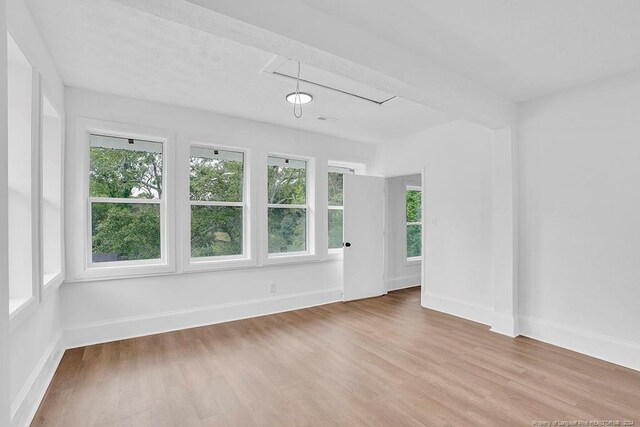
x: 518, y: 49
x: 521, y: 49
x: 103, y: 46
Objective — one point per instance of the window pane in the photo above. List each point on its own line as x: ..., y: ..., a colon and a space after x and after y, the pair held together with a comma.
x: 125, y: 168
x: 287, y: 230
x: 287, y: 181
x: 216, y: 231
x: 51, y: 190
x: 125, y: 231
x: 414, y: 206
x: 216, y: 175
x: 336, y: 196
x: 414, y: 240
x: 335, y: 228
x: 19, y: 173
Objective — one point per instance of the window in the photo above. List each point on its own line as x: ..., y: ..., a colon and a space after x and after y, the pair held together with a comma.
x: 414, y: 222
x: 126, y: 199
x: 20, y: 170
x: 336, y: 205
x: 216, y: 189
x: 287, y: 208
x: 51, y: 203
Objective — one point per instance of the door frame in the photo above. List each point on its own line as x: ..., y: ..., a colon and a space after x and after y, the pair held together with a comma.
x: 422, y: 174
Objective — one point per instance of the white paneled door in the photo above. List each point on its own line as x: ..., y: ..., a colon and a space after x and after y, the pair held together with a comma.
x: 363, y: 236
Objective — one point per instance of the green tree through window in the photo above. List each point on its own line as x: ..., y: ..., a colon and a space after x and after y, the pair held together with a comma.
x: 287, y: 205
x: 216, y: 189
x: 414, y: 222
x: 125, y: 189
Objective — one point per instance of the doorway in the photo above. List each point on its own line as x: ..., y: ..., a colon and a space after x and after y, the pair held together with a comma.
x: 404, y: 234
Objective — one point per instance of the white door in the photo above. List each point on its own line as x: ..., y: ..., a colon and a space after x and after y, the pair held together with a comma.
x: 363, y: 236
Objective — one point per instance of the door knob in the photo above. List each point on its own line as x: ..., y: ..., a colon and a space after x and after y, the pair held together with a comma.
x: 348, y: 245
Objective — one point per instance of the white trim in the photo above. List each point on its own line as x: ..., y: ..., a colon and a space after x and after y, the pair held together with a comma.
x: 36, y: 188
x: 247, y: 258
x: 223, y: 266
x: 210, y: 203
x: 604, y: 347
x: 51, y: 283
x: 136, y: 326
x: 281, y: 258
x: 82, y: 266
x: 404, y: 282
x: 281, y: 206
x: 26, y: 403
x: 466, y: 310
x: 20, y: 313
x: 335, y: 254
x: 358, y: 168
x: 309, y: 207
x: 125, y: 201
x: 414, y: 260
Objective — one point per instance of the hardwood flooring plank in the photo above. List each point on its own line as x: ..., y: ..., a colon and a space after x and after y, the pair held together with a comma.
x: 377, y: 362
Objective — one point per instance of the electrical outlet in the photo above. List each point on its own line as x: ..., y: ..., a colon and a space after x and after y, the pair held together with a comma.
x: 272, y: 287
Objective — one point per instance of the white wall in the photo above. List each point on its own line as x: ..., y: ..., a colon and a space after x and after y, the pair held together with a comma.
x: 579, y: 219
x: 34, y: 340
x: 114, y: 309
x: 399, y: 274
x: 456, y: 160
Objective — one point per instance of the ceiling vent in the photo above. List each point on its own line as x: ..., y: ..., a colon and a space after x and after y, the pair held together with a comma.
x: 327, y: 119
x: 286, y: 68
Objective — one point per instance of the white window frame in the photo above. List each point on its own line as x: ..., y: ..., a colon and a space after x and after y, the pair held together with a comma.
x: 416, y: 259
x: 88, y: 270
x: 246, y: 259
x: 310, y: 252
x: 49, y: 284
x: 21, y: 308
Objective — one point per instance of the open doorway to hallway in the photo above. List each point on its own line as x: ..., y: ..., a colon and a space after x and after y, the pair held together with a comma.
x: 403, y: 243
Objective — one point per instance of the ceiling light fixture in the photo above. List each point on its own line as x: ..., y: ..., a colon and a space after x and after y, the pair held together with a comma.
x: 304, y: 98
x: 298, y: 98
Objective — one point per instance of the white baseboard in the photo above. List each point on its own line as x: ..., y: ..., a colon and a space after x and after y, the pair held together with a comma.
x: 604, y: 347
x: 131, y: 327
x: 403, y: 282
x: 610, y: 349
x: 25, y: 405
x: 456, y: 307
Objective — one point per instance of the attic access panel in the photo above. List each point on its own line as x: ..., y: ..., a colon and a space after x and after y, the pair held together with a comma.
x: 287, y: 68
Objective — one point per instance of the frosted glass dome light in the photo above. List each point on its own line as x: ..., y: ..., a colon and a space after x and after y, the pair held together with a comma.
x: 299, y: 98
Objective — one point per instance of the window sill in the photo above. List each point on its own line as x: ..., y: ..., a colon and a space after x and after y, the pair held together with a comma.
x: 51, y: 282
x: 211, y: 264
x: 290, y: 258
x: 413, y: 260
x: 124, y: 271
x: 279, y: 262
x: 19, y: 310
x: 337, y: 253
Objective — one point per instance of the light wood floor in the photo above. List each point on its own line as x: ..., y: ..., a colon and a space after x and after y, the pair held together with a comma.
x: 381, y: 361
